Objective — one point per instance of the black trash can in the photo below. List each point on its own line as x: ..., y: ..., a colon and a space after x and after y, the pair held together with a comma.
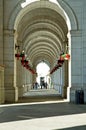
x: 79, y: 97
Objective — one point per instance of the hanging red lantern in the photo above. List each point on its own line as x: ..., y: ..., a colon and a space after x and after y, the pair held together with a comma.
x: 22, y: 62
x: 17, y: 56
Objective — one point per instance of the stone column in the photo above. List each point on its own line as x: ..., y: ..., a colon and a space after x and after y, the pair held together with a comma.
x: 1, y: 54
x: 11, y: 91
x: 34, y: 76
x: 66, y: 79
x: 19, y: 78
x: 76, y: 63
x: 1, y: 32
x: 29, y: 83
x: 19, y: 72
x: 1, y: 84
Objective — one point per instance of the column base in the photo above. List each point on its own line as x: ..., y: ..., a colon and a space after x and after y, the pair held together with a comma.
x: 64, y: 93
x: 20, y: 91
x: 73, y: 94
x: 11, y: 95
x: 2, y: 98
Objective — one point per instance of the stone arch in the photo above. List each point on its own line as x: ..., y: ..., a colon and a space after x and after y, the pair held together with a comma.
x: 18, y: 13
x: 36, y: 5
x: 69, y: 11
x: 14, y: 14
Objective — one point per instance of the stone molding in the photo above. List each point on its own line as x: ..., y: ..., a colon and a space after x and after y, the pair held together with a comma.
x: 9, y: 32
x: 2, y: 67
x: 76, y: 33
x: 70, y: 12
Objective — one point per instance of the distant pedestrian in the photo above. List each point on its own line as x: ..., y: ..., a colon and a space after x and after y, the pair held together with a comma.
x: 36, y: 85
x: 46, y: 85
x: 42, y: 84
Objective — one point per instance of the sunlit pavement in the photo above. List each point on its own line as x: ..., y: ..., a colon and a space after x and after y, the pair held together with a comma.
x: 40, y: 92
x: 48, y: 115
x: 40, y: 95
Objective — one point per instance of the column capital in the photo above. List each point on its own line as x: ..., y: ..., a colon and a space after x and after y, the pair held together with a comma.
x: 2, y: 67
x: 75, y: 33
x: 9, y: 32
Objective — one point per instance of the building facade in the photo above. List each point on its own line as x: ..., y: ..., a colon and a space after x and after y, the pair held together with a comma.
x: 42, y: 30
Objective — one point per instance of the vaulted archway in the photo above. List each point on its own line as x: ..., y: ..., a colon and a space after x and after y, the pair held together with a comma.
x: 41, y: 29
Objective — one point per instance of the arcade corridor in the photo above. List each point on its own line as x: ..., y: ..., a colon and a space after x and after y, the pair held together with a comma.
x: 40, y: 34
x: 51, y: 32
x: 41, y: 31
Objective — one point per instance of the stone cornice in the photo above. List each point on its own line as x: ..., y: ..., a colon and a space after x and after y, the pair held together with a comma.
x: 76, y: 33
x: 2, y: 67
x: 9, y: 32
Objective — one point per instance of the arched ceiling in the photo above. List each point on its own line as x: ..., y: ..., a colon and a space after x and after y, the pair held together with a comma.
x: 42, y: 30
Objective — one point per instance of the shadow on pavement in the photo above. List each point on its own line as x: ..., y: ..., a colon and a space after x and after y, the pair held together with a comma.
x: 32, y: 111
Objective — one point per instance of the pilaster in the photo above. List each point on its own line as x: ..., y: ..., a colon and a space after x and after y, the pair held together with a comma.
x: 76, y: 63
x: 2, y: 98
x: 11, y: 91
x: 1, y: 32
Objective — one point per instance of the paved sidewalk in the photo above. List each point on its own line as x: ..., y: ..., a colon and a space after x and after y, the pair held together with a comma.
x: 40, y: 95
x: 50, y: 115
x: 41, y: 92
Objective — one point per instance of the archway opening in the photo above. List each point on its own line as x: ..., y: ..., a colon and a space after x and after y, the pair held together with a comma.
x: 43, y: 71
x: 44, y: 36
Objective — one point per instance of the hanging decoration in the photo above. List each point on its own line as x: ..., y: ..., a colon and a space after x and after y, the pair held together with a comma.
x: 63, y: 56
x: 17, y: 56
x: 24, y: 61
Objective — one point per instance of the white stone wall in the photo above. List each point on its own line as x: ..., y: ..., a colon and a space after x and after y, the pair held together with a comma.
x: 78, y: 49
